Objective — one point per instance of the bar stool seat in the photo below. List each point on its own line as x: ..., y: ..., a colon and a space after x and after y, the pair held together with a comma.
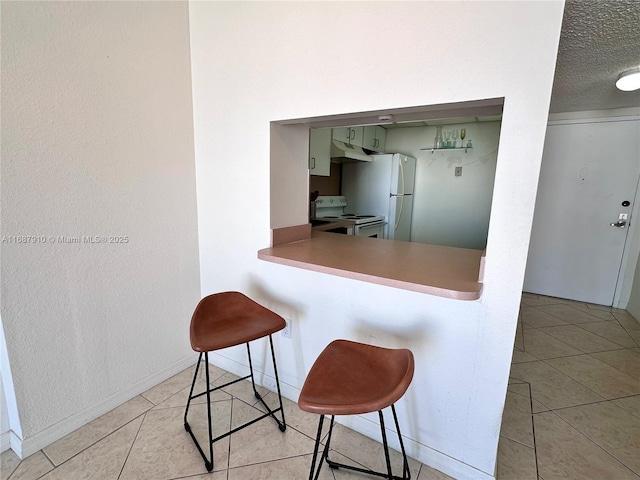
x: 224, y: 320
x: 350, y: 378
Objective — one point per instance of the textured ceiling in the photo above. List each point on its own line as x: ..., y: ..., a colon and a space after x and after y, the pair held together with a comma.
x: 599, y: 40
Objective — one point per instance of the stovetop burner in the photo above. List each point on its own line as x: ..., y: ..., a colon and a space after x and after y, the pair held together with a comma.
x: 353, y: 216
x: 333, y: 207
x: 356, y: 219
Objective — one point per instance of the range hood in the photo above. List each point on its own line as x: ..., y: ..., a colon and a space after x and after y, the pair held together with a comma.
x: 341, y: 152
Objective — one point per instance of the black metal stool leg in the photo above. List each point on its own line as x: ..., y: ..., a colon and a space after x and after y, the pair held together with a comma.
x: 193, y: 384
x: 406, y: 474
x: 327, y: 446
x: 253, y: 383
x: 208, y: 462
x: 315, y: 450
x: 281, y: 424
x: 385, y: 445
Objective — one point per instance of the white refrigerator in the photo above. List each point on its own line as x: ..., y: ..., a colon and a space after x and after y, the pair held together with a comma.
x: 382, y: 187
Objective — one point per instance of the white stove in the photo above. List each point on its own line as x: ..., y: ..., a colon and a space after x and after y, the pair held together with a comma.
x: 364, y: 225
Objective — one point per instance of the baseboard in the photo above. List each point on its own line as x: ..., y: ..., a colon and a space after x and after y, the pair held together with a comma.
x: 424, y: 454
x: 15, y: 443
x: 5, y: 442
x: 622, y: 305
x: 30, y: 445
x: 433, y: 458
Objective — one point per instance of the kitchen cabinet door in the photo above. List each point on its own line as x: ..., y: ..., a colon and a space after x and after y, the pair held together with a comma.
x: 320, y: 152
x: 375, y: 138
x: 340, y: 134
x: 350, y: 135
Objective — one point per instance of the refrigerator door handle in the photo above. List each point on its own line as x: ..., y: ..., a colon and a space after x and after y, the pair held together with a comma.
x: 402, y: 174
x: 399, y: 217
x: 399, y: 214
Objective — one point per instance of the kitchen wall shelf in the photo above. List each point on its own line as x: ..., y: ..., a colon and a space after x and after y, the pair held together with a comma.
x: 451, y: 148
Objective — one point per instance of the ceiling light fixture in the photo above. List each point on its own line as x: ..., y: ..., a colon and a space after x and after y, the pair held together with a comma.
x: 629, y: 81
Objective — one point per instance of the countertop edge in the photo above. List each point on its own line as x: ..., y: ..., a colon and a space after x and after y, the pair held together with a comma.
x: 389, y: 282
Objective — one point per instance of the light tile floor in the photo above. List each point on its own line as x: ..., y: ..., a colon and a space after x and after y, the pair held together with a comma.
x: 572, y: 412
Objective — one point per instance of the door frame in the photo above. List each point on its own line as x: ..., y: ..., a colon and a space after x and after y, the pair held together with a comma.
x: 631, y: 250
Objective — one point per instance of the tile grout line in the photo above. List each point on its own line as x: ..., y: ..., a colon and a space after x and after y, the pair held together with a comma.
x: 233, y: 399
x: 616, y: 368
x: 46, y: 473
x: 597, y: 360
x: 133, y: 443
x: 582, y: 405
x: 533, y: 430
x: 521, y: 321
x: 563, y: 342
x: 89, y: 446
x: 570, y: 377
x: 582, y: 320
x: 586, y: 353
x: 595, y: 443
x: 579, y: 325
x: 590, y: 354
x: 566, y: 356
x: 518, y: 442
x: 50, y: 460
x: 627, y: 332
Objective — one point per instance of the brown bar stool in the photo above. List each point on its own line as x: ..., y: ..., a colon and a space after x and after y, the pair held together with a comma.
x: 223, y: 320
x: 350, y: 378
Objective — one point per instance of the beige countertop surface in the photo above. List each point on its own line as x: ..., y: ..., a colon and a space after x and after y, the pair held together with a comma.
x: 442, y: 271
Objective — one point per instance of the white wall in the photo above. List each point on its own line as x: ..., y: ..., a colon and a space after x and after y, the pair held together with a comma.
x: 97, y: 139
x: 254, y: 63
x: 450, y: 210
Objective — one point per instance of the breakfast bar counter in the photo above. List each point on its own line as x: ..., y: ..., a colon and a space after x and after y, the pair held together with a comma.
x: 448, y: 272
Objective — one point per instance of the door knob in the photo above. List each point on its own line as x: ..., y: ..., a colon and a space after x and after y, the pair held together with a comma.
x: 620, y: 224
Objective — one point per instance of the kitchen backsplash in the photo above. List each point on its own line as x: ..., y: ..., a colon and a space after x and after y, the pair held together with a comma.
x: 327, y: 185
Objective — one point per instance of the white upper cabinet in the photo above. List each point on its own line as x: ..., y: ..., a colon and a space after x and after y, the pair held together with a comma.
x: 375, y: 138
x: 320, y: 151
x: 350, y: 135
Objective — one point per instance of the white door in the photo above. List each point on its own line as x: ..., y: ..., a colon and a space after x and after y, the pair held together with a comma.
x: 589, y: 177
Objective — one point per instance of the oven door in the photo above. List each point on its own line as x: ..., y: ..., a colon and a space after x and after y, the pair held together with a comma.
x: 373, y: 230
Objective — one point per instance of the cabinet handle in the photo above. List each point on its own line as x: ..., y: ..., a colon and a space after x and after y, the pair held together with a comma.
x: 313, y: 163
x: 352, y: 134
x: 376, y: 142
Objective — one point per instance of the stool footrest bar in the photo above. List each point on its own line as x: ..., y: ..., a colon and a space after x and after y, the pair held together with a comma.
x: 211, y: 390
x: 333, y: 464
x: 251, y: 422
x: 208, y: 460
x: 270, y: 412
